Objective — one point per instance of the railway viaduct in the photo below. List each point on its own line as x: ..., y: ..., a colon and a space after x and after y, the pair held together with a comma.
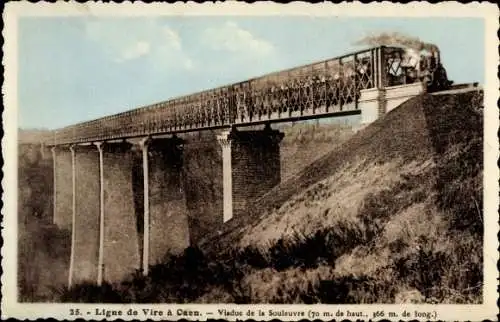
x: 118, y: 180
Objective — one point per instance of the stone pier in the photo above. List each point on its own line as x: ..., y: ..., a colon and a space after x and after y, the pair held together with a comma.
x: 62, y: 193
x: 121, y: 238
x: 202, y: 180
x: 251, y: 167
x: 86, y: 248
x: 168, y: 213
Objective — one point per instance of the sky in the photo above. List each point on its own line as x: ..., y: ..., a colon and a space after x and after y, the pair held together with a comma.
x: 73, y: 69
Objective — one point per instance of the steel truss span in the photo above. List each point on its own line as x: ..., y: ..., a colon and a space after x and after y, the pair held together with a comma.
x: 316, y: 90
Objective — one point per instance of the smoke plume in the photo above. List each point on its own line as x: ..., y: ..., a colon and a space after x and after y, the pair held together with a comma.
x: 397, y: 39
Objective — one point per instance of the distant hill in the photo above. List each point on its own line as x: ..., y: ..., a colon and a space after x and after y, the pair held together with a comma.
x: 25, y: 136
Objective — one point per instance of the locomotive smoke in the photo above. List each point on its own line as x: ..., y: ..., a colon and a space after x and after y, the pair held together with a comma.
x: 396, y: 38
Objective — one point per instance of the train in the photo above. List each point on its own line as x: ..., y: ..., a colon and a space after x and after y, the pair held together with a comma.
x: 417, y: 66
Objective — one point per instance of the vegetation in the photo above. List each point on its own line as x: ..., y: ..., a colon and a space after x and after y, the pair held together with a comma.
x: 43, y: 249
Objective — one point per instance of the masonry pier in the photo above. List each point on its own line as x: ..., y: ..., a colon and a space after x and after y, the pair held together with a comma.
x: 61, y: 156
x: 168, y: 214
x: 202, y: 180
x: 121, y: 237
x: 87, y: 221
x: 251, y: 167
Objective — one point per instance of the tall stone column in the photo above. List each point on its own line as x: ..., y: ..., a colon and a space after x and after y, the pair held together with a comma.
x: 100, y: 261
x: 168, y: 214
x: 62, y: 187
x: 73, y: 215
x: 145, y: 175
x: 54, y: 184
x: 121, y: 238
x: 225, y: 140
x: 87, y: 213
x: 251, y: 167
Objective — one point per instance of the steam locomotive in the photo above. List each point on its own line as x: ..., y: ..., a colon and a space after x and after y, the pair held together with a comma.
x: 406, y: 66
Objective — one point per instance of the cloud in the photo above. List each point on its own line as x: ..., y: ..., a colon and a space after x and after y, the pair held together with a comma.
x: 137, y: 50
x: 170, y: 49
x: 231, y: 37
x: 123, y: 40
x: 161, y: 47
x: 172, y: 38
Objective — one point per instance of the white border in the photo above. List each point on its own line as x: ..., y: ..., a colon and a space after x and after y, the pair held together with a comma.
x: 489, y: 12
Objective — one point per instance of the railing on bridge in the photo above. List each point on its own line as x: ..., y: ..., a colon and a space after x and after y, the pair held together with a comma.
x: 313, y: 90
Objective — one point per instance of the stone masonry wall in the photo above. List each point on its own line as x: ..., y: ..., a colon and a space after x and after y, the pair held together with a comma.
x: 202, y: 177
x: 64, y: 186
x: 169, y: 230
x: 121, y: 241
x: 87, y: 214
x: 255, y: 166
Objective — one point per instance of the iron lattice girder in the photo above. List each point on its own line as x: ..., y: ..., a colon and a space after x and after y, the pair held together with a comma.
x: 322, y: 87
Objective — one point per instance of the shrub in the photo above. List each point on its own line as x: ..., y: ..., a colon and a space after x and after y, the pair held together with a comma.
x: 90, y: 293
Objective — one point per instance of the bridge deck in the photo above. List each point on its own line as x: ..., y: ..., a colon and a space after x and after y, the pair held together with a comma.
x: 323, y: 89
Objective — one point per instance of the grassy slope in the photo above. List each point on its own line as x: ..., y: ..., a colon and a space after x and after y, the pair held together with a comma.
x: 406, y: 212
x: 392, y: 215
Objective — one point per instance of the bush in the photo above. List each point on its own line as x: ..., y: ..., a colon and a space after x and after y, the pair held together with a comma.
x: 90, y: 293
x: 355, y: 290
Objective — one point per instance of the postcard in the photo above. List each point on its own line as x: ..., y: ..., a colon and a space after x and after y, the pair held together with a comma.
x: 250, y: 161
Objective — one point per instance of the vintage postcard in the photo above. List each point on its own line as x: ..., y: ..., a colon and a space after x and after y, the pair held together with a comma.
x: 250, y: 161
